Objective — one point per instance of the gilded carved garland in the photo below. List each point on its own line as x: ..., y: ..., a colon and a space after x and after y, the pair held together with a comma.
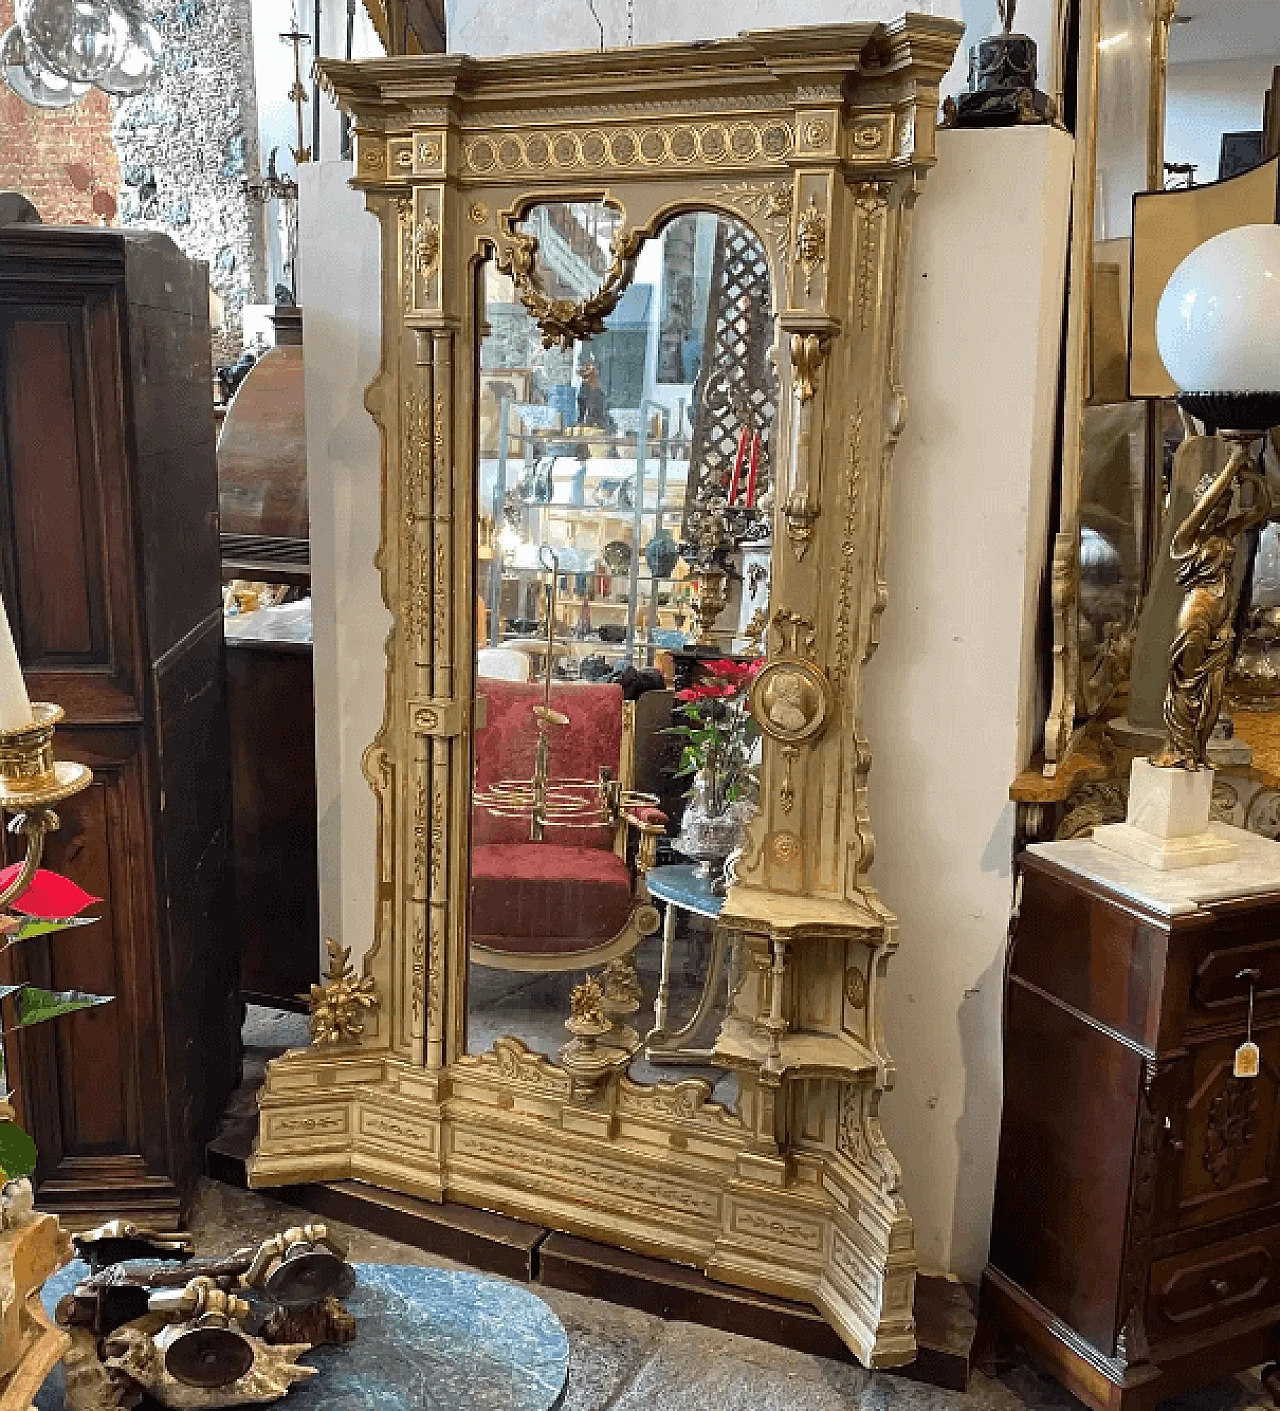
x: 561, y: 320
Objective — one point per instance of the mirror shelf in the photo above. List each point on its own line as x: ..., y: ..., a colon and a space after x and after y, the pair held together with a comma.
x: 613, y: 329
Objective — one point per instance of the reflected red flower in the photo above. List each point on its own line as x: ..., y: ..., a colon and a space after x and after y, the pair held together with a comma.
x: 707, y: 691
x: 48, y: 895
x: 739, y: 674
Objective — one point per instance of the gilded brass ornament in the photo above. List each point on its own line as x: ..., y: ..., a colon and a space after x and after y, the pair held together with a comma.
x: 586, y: 1005
x: 713, y: 597
x: 336, y: 1005
x: 1204, y: 548
x: 561, y: 320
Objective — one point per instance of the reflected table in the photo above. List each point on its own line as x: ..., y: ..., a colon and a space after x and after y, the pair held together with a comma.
x: 680, y: 888
x: 426, y: 1339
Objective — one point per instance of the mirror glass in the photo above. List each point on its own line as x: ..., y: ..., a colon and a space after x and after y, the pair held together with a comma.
x: 1114, y: 431
x: 1224, y: 63
x: 593, y: 463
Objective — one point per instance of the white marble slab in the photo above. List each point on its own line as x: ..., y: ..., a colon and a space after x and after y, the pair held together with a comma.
x: 1255, y: 870
x: 1152, y: 850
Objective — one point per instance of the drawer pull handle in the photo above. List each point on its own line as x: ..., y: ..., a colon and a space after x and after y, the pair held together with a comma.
x: 1177, y: 1144
x: 1220, y: 1287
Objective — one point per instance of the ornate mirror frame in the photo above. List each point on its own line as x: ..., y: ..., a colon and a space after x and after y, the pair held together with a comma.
x: 1147, y: 34
x: 817, y: 139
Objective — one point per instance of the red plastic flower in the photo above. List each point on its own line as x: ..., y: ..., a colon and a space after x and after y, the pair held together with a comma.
x: 739, y: 674
x: 48, y: 895
x: 707, y: 691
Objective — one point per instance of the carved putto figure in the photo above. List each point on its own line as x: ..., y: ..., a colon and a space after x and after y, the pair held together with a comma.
x: 1204, y: 548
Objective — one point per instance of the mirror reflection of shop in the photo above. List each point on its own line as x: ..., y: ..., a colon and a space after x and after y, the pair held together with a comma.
x: 591, y: 459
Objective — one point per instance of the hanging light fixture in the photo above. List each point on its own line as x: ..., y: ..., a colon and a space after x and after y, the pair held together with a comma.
x: 139, y: 61
x: 32, y: 83
x: 59, y: 48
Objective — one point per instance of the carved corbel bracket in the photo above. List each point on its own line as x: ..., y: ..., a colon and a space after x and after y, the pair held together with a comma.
x: 809, y: 349
x: 801, y: 515
x: 808, y: 353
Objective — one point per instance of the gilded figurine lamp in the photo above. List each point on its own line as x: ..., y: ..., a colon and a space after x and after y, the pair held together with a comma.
x: 1218, y: 331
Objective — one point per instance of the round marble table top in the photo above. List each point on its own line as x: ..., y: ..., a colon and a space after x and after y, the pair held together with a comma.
x: 428, y: 1338
x: 680, y: 885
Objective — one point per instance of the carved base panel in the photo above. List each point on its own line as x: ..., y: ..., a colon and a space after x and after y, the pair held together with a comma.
x: 649, y: 1168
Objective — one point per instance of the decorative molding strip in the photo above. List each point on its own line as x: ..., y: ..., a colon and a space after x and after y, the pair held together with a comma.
x: 746, y: 142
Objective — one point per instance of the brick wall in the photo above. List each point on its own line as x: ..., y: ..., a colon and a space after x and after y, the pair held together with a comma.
x: 37, y: 145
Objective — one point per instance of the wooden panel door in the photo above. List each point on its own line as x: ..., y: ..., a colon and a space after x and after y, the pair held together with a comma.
x: 68, y: 562
x: 91, y: 1086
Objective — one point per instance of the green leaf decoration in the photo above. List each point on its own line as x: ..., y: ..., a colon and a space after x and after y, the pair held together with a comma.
x: 17, y: 1151
x: 37, y: 926
x: 36, y: 1006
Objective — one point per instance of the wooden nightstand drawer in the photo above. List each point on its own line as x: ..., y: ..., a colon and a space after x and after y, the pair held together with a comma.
x: 1205, y: 1287
x: 1232, y: 956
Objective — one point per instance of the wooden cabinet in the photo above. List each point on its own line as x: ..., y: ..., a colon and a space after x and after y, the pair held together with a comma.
x: 271, y: 702
x: 1135, y: 1247
x: 110, y: 567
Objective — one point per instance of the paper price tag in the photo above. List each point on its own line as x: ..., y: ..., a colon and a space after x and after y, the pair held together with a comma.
x: 1248, y: 1060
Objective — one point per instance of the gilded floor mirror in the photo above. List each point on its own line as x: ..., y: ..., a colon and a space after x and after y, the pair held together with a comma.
x: 638, y: 399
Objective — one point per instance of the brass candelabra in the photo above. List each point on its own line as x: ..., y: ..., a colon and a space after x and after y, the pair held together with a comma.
x: 31, y: 782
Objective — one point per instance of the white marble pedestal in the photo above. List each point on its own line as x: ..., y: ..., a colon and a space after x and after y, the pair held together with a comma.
x: 1167, y: 825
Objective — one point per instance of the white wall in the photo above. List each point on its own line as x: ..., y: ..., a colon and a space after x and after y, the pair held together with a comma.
x: 341, y: 273
x: 486, y: 27
x: 945, y: 692
x: 1206, y: 100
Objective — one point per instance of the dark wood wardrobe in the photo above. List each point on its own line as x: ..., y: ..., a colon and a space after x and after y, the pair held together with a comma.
x: 110, y: 567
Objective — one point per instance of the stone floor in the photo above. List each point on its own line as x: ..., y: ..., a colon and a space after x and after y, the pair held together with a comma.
x: 625, y: 1360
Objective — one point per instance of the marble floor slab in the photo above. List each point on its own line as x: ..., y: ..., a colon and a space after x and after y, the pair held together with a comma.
x: 624, y: 1360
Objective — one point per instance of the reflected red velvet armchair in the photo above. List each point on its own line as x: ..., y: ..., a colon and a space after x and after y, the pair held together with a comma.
x: 576, y: 898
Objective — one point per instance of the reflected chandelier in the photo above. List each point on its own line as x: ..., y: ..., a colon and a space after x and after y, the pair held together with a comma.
x: 59, y: 49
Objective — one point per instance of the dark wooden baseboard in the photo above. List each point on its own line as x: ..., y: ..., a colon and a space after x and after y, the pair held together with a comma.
x: 945, y: 1323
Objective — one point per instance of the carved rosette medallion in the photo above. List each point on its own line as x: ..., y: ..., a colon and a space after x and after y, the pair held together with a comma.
x: 1230, y: 1129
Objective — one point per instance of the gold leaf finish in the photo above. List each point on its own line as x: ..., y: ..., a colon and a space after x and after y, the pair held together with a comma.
x: 795, y: 1191
x: 336, y: 1005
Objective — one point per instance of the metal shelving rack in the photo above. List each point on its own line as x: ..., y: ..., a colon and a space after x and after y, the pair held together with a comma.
x: 660, y: 512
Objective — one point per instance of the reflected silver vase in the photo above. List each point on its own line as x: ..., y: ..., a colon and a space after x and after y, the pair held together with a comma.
x: 709, y: 834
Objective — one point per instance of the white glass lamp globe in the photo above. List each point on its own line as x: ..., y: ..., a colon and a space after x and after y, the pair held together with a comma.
x: 1218, y: 324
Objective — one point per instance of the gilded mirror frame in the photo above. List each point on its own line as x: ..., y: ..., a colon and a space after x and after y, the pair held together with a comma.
x: 797, y: 1193
x: 1071, y: 699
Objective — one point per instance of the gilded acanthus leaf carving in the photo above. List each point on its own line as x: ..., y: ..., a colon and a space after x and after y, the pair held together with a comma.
x: 336, y: 1005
